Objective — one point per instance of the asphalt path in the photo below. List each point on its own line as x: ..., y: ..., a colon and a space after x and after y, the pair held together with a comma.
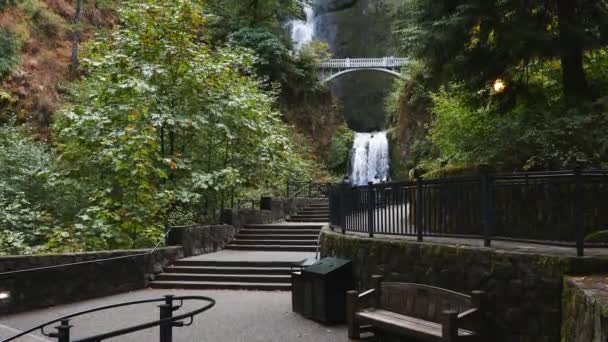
x: 238, y: 316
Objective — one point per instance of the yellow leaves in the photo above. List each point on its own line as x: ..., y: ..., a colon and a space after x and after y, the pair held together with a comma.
x: 475, y: 32
x: 549, y: 27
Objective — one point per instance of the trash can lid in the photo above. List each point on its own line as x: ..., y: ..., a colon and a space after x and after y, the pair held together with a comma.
x: 326, y: 265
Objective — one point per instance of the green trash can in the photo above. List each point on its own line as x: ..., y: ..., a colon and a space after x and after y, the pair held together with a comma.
x: 319, y: 290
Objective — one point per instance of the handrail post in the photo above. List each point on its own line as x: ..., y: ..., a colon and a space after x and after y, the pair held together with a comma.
x: 578, y: 213
x: 371, y: 208
x: 486, y: 205
x: 419, y: 209
x: 63, y: 331
x: 166, y: 311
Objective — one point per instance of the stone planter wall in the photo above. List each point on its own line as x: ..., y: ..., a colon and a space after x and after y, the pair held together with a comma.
x: 38, y: 289
x: 198, y: 240
x: 585, y: 309
x: 525, y: 289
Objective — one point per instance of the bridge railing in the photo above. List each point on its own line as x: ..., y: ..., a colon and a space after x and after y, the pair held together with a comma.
x: 554, y: 208
x: 345, y: 63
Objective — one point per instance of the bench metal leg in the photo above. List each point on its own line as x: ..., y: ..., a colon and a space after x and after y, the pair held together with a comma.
x: 352, y: 305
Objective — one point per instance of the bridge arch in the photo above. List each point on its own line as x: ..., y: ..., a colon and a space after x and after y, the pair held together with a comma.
x: 347, y: 71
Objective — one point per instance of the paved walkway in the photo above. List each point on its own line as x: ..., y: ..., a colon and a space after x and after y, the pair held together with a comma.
x: 502, y: 245
x: 234, y: 255
x: 247, y: 316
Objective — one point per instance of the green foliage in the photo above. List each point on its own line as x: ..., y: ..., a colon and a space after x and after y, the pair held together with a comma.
x: 231, y: 15
x: 24, y: 222
x: 4, y: 4
x: 273, y: 55
x: 341, y: 144
x: 163, y: 121
x: 599, y: 236
x: 524, y: 129
x: 8, y: 52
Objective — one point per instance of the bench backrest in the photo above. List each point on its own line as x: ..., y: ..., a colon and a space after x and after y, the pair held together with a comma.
x: 421, y: 301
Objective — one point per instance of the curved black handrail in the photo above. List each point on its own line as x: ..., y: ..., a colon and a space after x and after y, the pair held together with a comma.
x: 173, y: 320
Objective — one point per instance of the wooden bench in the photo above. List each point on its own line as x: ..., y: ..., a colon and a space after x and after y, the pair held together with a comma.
x: 417, y: 311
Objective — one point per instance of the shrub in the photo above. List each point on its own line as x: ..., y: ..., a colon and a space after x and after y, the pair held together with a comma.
x: 144, y: 242
x: 599, y: 236
x: 341, y: 144
x: 8, y: 52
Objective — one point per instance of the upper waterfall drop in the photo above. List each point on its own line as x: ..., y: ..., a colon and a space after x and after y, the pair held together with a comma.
x: 369, y: 158
x: 303, y: 32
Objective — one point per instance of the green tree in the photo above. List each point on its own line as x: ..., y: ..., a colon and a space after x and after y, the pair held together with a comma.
x: 479, y: 41
x: 164, y: 120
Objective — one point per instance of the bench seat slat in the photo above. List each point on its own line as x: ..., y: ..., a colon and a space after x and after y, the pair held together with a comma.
x: 400, y: 323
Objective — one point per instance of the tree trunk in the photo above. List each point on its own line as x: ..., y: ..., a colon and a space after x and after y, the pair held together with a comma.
x: 571, y: 51
x: 74, y: 66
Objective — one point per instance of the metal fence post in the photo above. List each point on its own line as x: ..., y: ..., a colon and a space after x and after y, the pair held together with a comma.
x: 341, y: 210
x: 578, y: 213
x: 167, y: 232
x: 486, y: 208
x: 419, y: 209
x: 371, y: 208
x: 63, y: 331
x: 166, y: 311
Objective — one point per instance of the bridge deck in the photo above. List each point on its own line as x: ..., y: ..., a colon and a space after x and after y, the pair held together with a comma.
x: 355, y: 63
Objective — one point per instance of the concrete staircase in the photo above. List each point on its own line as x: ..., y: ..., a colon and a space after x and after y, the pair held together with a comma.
x: 300, y: 234
x: 227, y: 275
x: 315, y: 212
x: 277, y: 237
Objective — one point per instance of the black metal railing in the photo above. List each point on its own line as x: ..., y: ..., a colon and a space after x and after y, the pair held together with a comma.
x: 551, y: 207
x: 307, y: 189
x: 166, y: 322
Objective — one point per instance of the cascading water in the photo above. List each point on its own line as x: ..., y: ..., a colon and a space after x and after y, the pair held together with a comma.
x: 302, y: 32
x: 369, y: 158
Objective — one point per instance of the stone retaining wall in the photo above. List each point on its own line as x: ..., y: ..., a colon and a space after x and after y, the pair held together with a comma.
x: 585, y: 309
x: 38, y: 289
x: 198, y: 240
x: 525, y: 289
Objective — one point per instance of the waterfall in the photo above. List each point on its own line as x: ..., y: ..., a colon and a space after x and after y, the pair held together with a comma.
x: 302, y: 32
x: 369, y: 158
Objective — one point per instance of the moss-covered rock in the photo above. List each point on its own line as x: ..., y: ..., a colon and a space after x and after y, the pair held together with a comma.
x: 585, y: 309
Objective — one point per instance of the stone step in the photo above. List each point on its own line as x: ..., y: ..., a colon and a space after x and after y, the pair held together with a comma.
x: 194, y: 285
x: 272, y: 248
x: 298, y: 219
x: 228, y: 270
x: 317, y: 217
x: 231, y: 278
x: 277, y: 236
x: 313, y: 212
x: 275, y: 231
x: 258, y: 242
x: 232, y: 263
x: 284, y: 226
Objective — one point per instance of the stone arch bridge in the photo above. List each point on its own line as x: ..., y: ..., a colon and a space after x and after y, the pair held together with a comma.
x: 335, y: 68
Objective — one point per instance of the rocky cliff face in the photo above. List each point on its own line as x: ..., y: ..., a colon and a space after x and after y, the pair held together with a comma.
x: 355, y: 29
